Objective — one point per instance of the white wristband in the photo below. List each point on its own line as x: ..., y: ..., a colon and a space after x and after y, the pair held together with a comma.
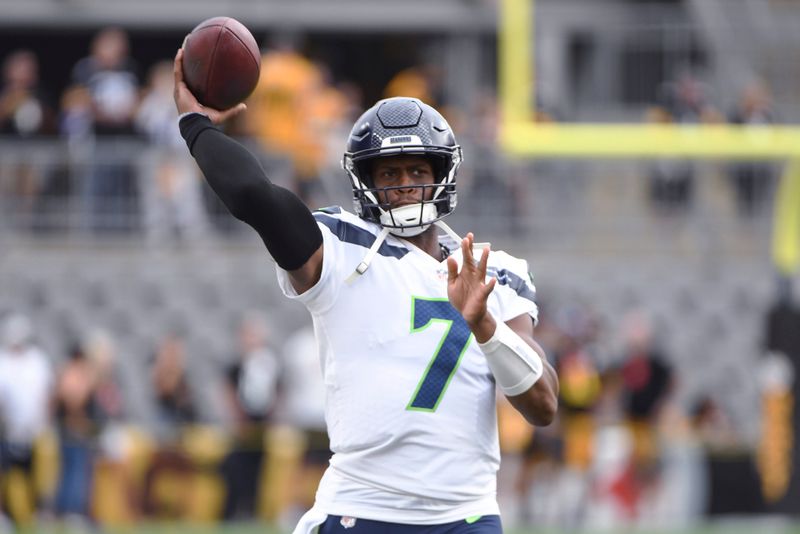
x: 515, y: 365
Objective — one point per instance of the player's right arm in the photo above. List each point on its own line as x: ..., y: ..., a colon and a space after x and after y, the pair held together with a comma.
x: 516, y: 360
x: 284, y: 223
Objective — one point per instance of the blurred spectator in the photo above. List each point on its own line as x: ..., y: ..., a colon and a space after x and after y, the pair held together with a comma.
x: 683, y: 101
x: 88, y: 407
x: 537, y: 483
x: 303, y: 410
x: 294, y: 110
x: 728, y: 463
x: 645, y: 372
x: 779, y: 452
x: 109, y: 74
x: 120, y: 449
x: 170, y: 185
x: 175, y: 410
x: 557, y: 460
x: 109, y: 403
x: 752, y: 180
x: 279, y: 112
x: 494, y: 178
x: 26, y: 380
x: 24, y: 109
x: 646, y: 381
x: 419, y: 81
x: 175, y: 404
x: 75, y: 119
x: 713, y: 431
x: 76, y: 422
x: 25, y: 112
x: 250, y: 390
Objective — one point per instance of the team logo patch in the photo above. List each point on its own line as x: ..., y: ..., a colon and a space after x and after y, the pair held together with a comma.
x: 348, y: 522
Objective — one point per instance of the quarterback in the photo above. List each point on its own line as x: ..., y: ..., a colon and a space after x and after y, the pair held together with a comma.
x: 416, y: 326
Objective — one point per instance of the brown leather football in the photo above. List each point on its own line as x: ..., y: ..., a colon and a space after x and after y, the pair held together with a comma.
x: 221, y: 62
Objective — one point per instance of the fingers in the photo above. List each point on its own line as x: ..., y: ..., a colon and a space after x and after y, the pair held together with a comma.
x: 184, y: 99
x: 468, y: 252
x: 452, y: 269
x: 466, y: 249
x: 228, y: 113
x: 489, y: 287
x: 471, y: 267
x: 180, y: 90
x: 484, y: 262
x: 177, y: 67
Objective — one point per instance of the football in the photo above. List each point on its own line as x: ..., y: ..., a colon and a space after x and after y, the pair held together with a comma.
x: 221, y: 62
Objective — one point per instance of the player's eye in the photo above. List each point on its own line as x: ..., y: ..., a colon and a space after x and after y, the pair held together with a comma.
x: 420, y: 172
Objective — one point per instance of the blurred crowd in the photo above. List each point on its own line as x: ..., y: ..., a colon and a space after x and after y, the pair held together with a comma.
x: 631, y: 448
x: 72, y: 449
x: 624, y: 451
x: 123, y: 164
x: 126, y: 161
x: 689, y: 100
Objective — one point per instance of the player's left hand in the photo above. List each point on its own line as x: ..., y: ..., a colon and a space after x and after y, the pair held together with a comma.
x: 469, y: 291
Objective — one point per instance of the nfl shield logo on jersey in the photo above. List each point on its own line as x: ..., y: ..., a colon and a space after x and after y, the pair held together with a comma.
x: 348, y: 522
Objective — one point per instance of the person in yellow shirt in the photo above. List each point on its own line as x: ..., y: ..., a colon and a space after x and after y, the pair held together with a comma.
x: 293, y: 111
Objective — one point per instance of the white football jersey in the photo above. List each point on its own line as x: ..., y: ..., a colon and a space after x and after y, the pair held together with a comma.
x: 410, y: 400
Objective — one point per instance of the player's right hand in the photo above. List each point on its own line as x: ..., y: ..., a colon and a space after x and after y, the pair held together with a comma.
x: 468, y: 290
x: 186, y: 101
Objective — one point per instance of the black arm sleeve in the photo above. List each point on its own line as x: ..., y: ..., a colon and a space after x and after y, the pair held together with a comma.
x: 284, y: 223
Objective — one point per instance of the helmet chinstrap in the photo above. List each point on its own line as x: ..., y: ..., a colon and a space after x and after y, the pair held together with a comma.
x: 376, y: 202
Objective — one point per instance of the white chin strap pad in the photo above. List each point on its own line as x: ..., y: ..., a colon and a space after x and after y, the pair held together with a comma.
x: 410, y: 220
x: 515, y: 365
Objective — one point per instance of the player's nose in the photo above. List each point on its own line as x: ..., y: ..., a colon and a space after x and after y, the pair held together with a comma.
x: 406, y: 180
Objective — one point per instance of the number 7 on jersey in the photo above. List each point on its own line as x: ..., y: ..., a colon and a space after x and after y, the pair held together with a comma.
x: 444, y: 362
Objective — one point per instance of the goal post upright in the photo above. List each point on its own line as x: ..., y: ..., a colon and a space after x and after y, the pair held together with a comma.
x: 522, y: 136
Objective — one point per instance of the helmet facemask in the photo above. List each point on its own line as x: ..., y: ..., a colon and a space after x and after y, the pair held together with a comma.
x: 403, y: 126
x: 371, y: 203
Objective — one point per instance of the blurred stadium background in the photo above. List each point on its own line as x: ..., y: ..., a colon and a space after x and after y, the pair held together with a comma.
x: 182, y: 389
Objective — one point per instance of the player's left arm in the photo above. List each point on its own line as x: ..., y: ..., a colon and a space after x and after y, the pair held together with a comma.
x: 539, y: 403
x: 518, y: 363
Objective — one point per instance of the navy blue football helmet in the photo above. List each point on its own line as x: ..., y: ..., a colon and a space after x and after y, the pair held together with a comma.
x: 395, y: 126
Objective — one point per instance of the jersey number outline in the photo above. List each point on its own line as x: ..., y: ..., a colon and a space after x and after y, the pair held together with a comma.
x: 446, y: 358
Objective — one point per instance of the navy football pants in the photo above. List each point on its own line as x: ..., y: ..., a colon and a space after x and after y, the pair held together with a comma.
x: 335, y: 524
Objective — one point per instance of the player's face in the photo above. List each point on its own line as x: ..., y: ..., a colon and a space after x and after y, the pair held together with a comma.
x: 402, y: 174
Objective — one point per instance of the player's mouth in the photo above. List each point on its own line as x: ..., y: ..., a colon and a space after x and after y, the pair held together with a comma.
x: 408, y: 202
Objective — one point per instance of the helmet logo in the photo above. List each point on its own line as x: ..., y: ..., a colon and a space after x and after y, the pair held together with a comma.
x: 401, y: 140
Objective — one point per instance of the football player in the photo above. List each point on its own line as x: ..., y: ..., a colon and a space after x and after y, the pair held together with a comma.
x: 415, y: 330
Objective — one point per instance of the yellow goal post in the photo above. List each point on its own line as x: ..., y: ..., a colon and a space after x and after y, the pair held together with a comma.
x: 522, y: 136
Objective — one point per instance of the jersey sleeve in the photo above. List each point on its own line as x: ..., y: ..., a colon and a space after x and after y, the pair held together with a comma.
x: 516, y: 292
x: 323, y: 294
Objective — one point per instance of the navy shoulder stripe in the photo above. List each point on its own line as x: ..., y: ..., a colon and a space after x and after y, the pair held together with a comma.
x: 507, y: 278
x: 330, y: 210
x: 350, y: 233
